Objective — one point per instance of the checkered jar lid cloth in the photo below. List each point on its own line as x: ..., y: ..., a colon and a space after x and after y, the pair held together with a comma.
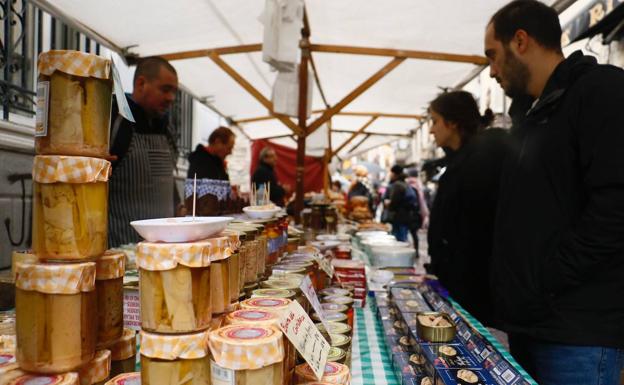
x: 111, y: 265
x: 242, y: 347
x: 174, y: 347
x: 219, y: 188
x: 70, y: 169
x: 335, y: 373
x: 74, y: 63
x: 234, y: 236
x: 97, y: 370
x: 158, y: 256
x: 71, y: 278
x: 125, y: 347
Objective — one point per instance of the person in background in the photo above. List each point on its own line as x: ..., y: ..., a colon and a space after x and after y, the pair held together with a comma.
x: 144, y: 153
x: 401, y: 205
x: 558, y: 258
x: 208, y: 162
x: 414, y: 182
x: 462, y: 218
x: 265, y: 173
x: 361, y: 186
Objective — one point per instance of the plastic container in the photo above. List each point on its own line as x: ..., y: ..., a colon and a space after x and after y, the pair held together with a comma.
x: 123, y: 354
x: 110, y: 269
x: 21, y: 378
x: 70, y: 207
x: 335, y: 373
x: 175, y: 359
x: 133, y: 378
x: 247, y: 355
x: 175, y: 285
x: 97, y: 371
x: 76, y: 116
x: 56, y: 306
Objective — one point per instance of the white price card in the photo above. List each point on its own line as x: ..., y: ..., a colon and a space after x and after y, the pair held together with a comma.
x: 308, y: 290
x: 120, y: 96
x: 327, y: 267
x: 303, y: 334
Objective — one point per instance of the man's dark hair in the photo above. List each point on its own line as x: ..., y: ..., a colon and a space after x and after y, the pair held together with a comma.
x: 540, y: 21
x: 222, y: 134
x: 149, y: 67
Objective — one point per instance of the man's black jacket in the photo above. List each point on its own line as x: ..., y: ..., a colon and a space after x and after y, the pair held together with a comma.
x: 558, y: 257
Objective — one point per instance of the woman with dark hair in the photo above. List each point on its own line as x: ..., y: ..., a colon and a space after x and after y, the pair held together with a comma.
x: 462, y: 217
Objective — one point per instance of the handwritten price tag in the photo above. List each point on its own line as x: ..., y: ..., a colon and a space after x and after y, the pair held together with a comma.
x: 308, y: 290
x: 303, y: 334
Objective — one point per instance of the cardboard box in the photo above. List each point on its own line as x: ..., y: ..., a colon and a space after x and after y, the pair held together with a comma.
x: 463, y: 377
x: 408, y: 371
x: 448, y: 356
x: 411, y: 306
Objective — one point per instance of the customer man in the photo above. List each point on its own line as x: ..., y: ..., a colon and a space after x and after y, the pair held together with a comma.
x: 265, y: 173
x: 209, y: 161
x: 558, y: 259
x: 401, y: 204
x: 142, y: 185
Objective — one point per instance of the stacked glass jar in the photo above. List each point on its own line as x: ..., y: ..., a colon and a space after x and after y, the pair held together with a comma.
x: 69, y: 301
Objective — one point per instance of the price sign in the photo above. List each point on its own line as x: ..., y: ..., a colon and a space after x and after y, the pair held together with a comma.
x: 308, y: 290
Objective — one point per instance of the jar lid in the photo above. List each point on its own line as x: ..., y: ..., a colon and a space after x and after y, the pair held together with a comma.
x: 157, y: 256
x: 336, y: 354
x: 251, y: 317
x: 275, y: 293
x: 74, y: 63
x: 279, y: 270
x: 339, y: 299
x: 173, y: 347
x: 241, y: 347
x: 110, y: 266
x: 7, y: 361
x: 70, y: 169
x: 133, y: 378
x: 299, y: 258
x: 339, y: 340
x: 293, y: 277
x: 280, y: 283
x: 125, y: 347
x: 235, y: 238
x: 331, y: 316
x: 46, y: 379
x: 335, y: 327
x: 56, y: 278
x: 97, y: 370
x: 334, y: 373
x: 331, y: 291
x: 334, y: 307
x: 276, y: 304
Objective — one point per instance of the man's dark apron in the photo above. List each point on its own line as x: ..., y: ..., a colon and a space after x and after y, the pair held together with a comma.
x: 141, y: 186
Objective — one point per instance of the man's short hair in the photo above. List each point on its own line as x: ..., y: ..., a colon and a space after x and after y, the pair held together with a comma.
x: 540, y: 21
x: 149, y: 67
x: 264, y: 152
x: 222, y: 134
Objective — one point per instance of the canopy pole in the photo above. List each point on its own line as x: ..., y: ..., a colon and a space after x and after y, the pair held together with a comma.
x: 303, y: 117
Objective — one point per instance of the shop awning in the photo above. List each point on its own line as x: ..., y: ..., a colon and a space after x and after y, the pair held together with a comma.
x: 394, y: 103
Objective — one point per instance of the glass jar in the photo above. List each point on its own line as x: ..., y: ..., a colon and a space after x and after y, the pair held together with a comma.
x: 219, y: 278
x: 336, y: 355
x: 70, y: 207
x: 234, y: 263
x: 334, y: 373
x: 247, y: 355
x: 273, y: 293
x: 97, y: 371
x: 133, y: 378
x: 110, y: 269
x: 56, y: 306
x: 274, y: 236
x: 330, y: 291
x: 340, y: 341
x: 76, y: 101
x: 334, y: 328
x: 288, y: 284
x: 249, y: 289
x: 181, y: 359
x: 330, y: 317
x: 175, y: 286
x: 21, y: 378
x: 270, y: 304
x: 123, y: 354
x: 342, y: 300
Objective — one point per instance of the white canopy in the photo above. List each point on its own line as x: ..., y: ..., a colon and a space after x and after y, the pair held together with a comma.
x: 158, y: 27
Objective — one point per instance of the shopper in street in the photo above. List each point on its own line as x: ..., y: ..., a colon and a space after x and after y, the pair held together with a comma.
x: 462, y: 218
x: 414, y: 181
x: 208, y: 162
x: 362, y: 187
x: 265, y: 173
x: 558, y: 257
x: 401, y: 204
x: 144, y: 152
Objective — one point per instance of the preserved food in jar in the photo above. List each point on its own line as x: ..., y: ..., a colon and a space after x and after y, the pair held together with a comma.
x: 175, y: 359
x: 335, y: 373
x: 175, y: 286
x: 70, y: 207
x: 133, y: 378
x: 219, y: 278
x: 97, y: 370
x: 79, y: 104
x: 234, y: 263
x: 21, y: 256
x: 110, y: 269
x: 250, y: 354
x: 21, y: 378
x: 123, y: 353
x: 56, y: 309
x: 248, y: 289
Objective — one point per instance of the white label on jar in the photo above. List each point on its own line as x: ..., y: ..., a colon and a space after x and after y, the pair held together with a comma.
x: 220, y: 375
x: 43, y: 98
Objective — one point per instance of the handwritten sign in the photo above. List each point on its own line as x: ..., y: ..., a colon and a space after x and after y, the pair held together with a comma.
x: 327, y: 267
x: 303, y: 334
x: 308, y: 290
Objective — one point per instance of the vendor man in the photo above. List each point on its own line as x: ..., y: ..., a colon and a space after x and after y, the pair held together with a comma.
x: 142, y: 184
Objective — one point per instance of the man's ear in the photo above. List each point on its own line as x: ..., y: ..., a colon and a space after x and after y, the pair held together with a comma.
x: 520, y: 41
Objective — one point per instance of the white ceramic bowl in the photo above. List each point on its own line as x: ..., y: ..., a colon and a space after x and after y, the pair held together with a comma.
x: 181, y: 229
x: 260, y: 214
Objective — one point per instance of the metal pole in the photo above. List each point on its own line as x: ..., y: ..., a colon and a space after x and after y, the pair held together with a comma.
x: 303, y: 116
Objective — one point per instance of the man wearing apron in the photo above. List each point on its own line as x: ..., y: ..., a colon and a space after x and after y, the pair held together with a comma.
x: 142, y: 184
